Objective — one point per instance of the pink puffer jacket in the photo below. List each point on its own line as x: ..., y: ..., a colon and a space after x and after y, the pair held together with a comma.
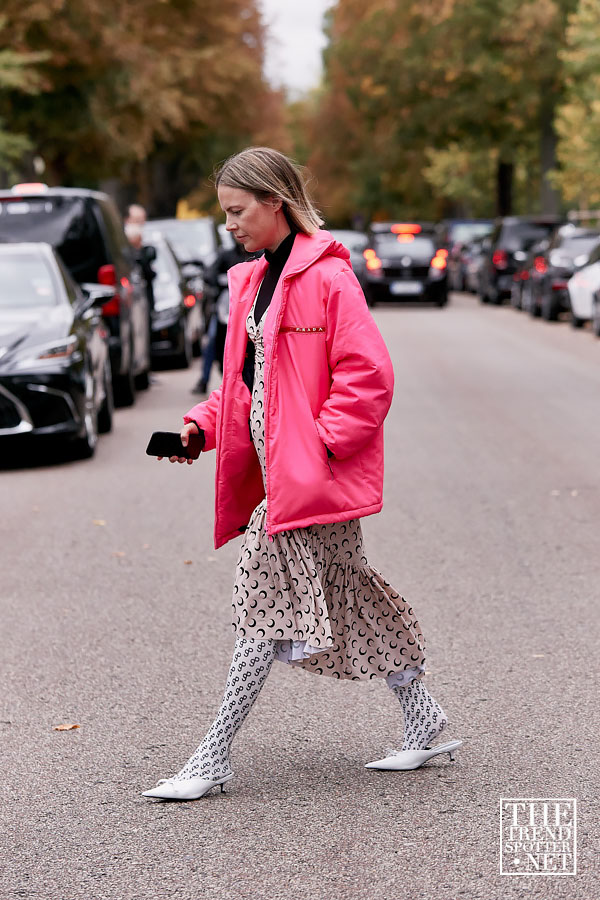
x: 328, y: 383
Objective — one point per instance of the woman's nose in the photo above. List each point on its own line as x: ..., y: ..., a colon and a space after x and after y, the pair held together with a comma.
x: 229, y: 226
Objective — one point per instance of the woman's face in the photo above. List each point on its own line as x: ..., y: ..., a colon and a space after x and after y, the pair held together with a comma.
x: 255, y: 224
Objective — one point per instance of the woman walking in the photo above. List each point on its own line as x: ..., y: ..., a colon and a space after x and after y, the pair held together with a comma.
x: 298, y: 428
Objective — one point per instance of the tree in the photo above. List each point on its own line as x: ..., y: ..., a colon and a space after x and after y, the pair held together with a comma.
x: 578, y: 119
x: 141, y: 90
x: 422, y: 77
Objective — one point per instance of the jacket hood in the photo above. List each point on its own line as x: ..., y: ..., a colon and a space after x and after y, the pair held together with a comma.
x: 307, y: 249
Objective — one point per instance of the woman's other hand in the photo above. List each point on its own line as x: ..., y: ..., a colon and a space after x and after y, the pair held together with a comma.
x: 190, y: 428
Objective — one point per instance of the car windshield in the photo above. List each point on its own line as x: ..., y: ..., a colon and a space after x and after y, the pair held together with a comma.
x: 464, y: 232
x: 191, y: 239
x: 578, y: 245
x: 65, y: 222
x: 523, y: 235
x: 25, y: 281
x: 354, y: 241
x: 399, y: 245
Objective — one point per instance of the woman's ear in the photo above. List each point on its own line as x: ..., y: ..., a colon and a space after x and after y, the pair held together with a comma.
x: 276, y: 203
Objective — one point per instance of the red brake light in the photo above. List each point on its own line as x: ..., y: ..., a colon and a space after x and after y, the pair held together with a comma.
x: 373, y: 262
x: 442, y: 252
x: 369, y: 254
x: 438, y: 262
x: 540, y: 264
x: 406, y: 228
x: 500, y: 259
x: 405, y: 238
x: 107, y: 275
x: 524, y: 275
x: 189, y: 301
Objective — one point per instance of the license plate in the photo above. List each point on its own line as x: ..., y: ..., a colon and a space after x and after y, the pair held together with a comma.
x: 406, y: 287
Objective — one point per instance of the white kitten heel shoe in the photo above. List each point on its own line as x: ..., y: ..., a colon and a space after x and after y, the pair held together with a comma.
x: 403, y: 760
x: 188, y: 789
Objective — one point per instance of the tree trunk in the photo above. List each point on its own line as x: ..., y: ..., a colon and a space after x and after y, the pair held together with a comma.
x: 549, y: 196
x: 504, y: 187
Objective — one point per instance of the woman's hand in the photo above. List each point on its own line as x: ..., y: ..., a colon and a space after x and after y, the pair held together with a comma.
x: 190, y: 428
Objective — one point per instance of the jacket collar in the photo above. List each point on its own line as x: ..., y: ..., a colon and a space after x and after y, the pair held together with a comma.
x: 245, y: 278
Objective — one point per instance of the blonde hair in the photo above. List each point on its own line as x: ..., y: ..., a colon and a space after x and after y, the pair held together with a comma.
x: 268, y: 173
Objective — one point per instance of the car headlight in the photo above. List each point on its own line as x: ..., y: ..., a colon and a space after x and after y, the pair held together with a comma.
x: 52, y: 352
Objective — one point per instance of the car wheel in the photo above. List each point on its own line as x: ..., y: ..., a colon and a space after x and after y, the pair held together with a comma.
x: 184, y: 358
x: 85, y: 445
x: 124, y: 388
x: 105, y: 416
x: 549, y: 310
x: 532, y: 307
x: 142, y: 381
x: 483, y: 298
x: 596, y: 320
x: 443, y: 300
x: 576, y: 322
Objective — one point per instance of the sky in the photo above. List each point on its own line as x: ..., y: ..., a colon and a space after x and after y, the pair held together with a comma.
x: 294, y: 43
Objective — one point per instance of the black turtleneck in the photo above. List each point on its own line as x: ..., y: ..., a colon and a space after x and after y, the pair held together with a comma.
x: 277, y: 260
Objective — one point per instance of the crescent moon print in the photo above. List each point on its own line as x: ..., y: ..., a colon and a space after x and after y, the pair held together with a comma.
x: 314, y: 585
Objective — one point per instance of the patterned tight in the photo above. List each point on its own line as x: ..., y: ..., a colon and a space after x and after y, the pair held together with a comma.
x: 250, y: 666
x: 424, y: 718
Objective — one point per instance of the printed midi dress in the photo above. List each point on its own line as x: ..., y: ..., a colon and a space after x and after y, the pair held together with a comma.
x: 313, y: 591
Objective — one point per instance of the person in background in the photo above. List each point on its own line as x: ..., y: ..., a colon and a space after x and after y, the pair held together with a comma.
x: 215, y: 280
x: 297, y: 425
x: 134, y: 229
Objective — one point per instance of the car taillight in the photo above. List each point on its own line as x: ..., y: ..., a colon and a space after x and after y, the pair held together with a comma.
x: 189, y: 301
x: 540, y: 264
x: 372, y: 260
x: 500, y: 259
x: 525, y: 275
x: 406, y: 228
x: 559, y: 285
x: 108, y: 276
x: 439, y: 261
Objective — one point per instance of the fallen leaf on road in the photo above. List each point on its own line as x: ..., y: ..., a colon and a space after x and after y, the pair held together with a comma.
x: 555, y: 493
x: 118, y: 553
x: 538, y: 655
x: 188, y: 562
x: 145, y: 546
x: 66, y: 727
x: 98, y: 521
x: 575, y: 493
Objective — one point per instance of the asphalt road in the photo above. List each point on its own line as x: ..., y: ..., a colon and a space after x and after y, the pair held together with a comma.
x: 116, y: 617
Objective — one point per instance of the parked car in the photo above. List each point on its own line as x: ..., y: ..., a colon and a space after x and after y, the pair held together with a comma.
x: 473, y: 258
x: 55, y: 376
x: 528, y: 271
x: 87, y: 231
x: 403, y: 263
x: 457, y: 235
x: 506, y: 248
x: 583, y: 288
x: 356, y: 243
x: 176, y: 315
x: 553, y: 265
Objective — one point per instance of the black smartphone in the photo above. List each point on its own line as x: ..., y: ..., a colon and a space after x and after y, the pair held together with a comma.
x: 168, y: 443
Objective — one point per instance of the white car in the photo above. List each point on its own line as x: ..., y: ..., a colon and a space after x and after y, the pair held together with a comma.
x: 582, y: 287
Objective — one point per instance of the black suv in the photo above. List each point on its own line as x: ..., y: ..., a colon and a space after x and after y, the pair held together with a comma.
x: 403, y: 262
x: 87, y: 231
x: 505, y: 250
